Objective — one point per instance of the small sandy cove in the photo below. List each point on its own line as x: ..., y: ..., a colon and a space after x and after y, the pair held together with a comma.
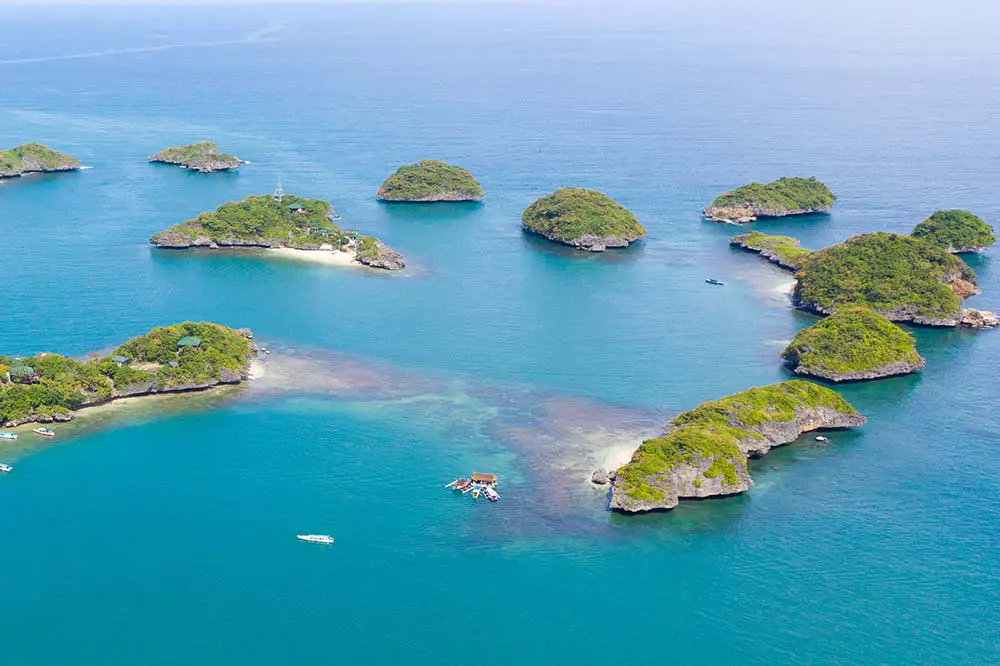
x: 329, y: 257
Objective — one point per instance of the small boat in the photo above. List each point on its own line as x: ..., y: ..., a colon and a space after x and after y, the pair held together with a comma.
x: 458, y: 484
x: 315, y: 538
x: 467, y: 488
x: 334, y: 215
x: 8, y: 435
x: 821, y: 438
x: 714, y: 281
x: 475, y: 491
x: 44, y: 432
x: 4, y: 467
x: 491, y: 494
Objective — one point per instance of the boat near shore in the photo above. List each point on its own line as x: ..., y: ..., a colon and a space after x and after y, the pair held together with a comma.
x: 44, y: 432
x: 315, y: 538
x: 4, y: 467
x: 8, y: 435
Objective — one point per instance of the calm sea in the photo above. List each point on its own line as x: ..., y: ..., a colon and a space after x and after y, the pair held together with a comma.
x: 165, y: 534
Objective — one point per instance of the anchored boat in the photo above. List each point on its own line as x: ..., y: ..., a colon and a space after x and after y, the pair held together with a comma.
x: 8, y: 435
x: 4, y: 467
x: 714, y: 281
x: 44, y: 432
x: 315, y: 538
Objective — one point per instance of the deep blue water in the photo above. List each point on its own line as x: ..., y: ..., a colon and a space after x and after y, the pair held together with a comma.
x: 166, y: 539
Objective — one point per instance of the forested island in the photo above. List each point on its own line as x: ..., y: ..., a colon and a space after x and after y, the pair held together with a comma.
x: 900, y: 277
x: 34, y: 158
x: 784, y: 251
x: 853, y: 344
x: 704, y: 451
x: 585, y: 219
x: 956, y: 231
x: 785, y: 196
x: 203, y: 157
x: 183, y: 357
x: 278, y: 222
x: 429, y: 181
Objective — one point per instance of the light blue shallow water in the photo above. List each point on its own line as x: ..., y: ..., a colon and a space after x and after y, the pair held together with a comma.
x: 167, y: 540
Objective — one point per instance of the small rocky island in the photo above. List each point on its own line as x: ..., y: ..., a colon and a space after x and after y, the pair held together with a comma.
x: 429, y: 181
x: 956, y: 231
x: 900, y: 277
x: 853, y: 344
x: 203, y: 157
x: 277, y: 222
x: 704, y: 452
x: 585, y: 219
x: 785, y: 196
x: 34, y: 158
x: 184, y: 357
x: 784, y: 251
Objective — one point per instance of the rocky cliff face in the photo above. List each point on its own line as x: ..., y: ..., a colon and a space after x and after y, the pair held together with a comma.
x: 744, y: 213
x: 202, y: 157
x: 694, y: 479
x: 887, y: 370
x: 383, y: 257
x: 588, y: 242
x: 433, y: 197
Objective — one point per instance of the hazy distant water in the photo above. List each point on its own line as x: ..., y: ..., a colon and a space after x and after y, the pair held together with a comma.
x: 169, y: 540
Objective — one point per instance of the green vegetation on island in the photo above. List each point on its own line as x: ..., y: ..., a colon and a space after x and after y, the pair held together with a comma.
x: 705, y: 450
x: 203, y: 157
x: 851, y: 344
x: 183, y: 357
x: 900, y: 277
x: 272, y: 222
x: 34, y: 158
x: 785, y: 196
x: 429, y: 181
x: 956, y: 231
x: 585, y: 219
x: 782, y: 250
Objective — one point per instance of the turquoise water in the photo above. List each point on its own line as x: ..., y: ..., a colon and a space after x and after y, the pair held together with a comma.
x: 166, y: 538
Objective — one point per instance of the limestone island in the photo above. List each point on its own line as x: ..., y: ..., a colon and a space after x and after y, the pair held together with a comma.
x: 900, y: 277
x: 184, y: 357
x: 585, y: 219
x: 785, y: 196
x: 34, y: 158
x: 784, y: 251
x: 203, y: 157
x: 281, y: 223
x: 428, y: 181
x: 853, y: 344
x: 704, y: 452
x: 956, y: 231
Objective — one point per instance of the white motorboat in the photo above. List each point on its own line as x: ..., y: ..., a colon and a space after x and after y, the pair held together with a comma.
x: 821, y: 438
x: 4, y: 467
x: 315, y: 538
x: 8, y: 435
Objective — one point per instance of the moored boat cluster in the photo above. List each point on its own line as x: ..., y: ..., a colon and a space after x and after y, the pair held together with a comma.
x: 479, y: 483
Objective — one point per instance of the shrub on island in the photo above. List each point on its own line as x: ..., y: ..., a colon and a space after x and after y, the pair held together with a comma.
x: 183, y: 357
x: 268, y: 222
x: 785, y: 196
x: 585, y: 219
x: 34, y: 158
x: 704, y: 451
x: 853, y: 344
x: 956, y: 231
x: 782, y: 250
x: 429, y: 181
x: 900, y: 277
x: 203, y: 157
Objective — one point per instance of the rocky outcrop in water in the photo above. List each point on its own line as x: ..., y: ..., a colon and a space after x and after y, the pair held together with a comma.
x: 203, y: 157
x: 34, y: 158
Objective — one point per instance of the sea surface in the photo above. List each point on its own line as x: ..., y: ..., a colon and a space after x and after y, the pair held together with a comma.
x: 162, y: 533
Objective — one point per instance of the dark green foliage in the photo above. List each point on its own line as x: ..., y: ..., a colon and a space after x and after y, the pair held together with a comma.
x: 429, y: 180
x: 956, y: 231
x: 851, y: 340
x: 782, y: 195
x: 571, y: 213
x: 714, y: 430
x: 367, y: 248
x: 264, y: 221
x: 884, y: 272
x: 65, y: 383
x: 783, y: 249
x: 34, y: 156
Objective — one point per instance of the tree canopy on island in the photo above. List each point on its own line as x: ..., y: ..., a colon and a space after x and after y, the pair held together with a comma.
x: 956, y: 231
x: 31, y: 157
x: 895, y: 275
x: 430, y: 180
x: 571, y: 213
x: 852, y: 342
x: 782, y: 195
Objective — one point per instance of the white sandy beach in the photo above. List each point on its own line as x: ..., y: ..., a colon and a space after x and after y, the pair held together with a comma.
x: 329, y: 257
